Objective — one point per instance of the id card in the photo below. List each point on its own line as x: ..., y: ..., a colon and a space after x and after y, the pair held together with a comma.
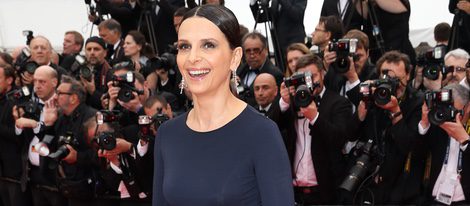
x: 446, y: 190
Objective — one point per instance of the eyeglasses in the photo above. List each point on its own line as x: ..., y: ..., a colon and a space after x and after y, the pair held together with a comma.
x: 255, y: 51
x: 322, y: 30
x: 124, y: 64
x: 456, y: 69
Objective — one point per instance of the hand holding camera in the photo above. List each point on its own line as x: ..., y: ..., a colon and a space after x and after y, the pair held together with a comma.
x: 71, y: 157
x: 89, y: 84
x: 455, y: 129
x: 133, y: 105
x: 286, y: 92
x: 310, y: 112
x: 23, y: 123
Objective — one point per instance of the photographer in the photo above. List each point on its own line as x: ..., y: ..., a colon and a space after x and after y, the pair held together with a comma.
x: 72, y: 45
x: 456, y: 60
x: 11, y: 192
x: 41, y: 54
x: 110, y: 31
x: 327, y: 29
x: 393, y: 17
x: 316, y: 135
x: 161, y: 13
x: 74, y: 155
x: 447, y: 142
x: 96, y: 86
x: 159, y: 111
x: 127, y: 96
x: 460, y: 27
x: 287, y: 18
x: 389, y: 116
x: 255, y: 47
x: 360, y: 69
x: 35, y: 167
x: 121, y: 10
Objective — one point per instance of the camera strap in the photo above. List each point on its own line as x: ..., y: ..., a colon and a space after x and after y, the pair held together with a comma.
x: 459, y: 162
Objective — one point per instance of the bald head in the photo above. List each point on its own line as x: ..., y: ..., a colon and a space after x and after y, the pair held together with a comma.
x: 265, y: 89
x: 41, y: 50
x: 45, y: 82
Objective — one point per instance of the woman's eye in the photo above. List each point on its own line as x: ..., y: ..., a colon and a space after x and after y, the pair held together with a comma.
x: 183, y: 46
x: 209, y: 45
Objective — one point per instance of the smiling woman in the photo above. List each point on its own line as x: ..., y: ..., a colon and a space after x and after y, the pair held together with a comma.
x: 222, y: 152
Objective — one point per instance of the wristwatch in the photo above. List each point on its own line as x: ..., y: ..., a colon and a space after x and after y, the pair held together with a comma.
x: 394, y: 115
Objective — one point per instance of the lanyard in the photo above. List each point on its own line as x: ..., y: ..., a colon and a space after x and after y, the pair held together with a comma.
x: 459, y: 163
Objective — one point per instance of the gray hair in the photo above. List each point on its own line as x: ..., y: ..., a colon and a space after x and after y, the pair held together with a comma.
x: 459, y: 92
x: 75, y: 87
x: 458, y: 54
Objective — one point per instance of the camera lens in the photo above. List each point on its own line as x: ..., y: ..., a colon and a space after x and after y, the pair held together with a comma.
x: 383, y: 94
x: 86, y: 73
x: 125, y: 95
x: 341, y: 65
x: 438, y: 115
x: 303, y: 96
x: 432, y: 71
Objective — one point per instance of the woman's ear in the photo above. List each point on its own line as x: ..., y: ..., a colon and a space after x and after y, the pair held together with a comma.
x: 237, y: 55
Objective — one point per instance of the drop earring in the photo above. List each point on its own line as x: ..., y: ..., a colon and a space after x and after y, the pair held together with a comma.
x: 234, y: 78
x: 182, y: 85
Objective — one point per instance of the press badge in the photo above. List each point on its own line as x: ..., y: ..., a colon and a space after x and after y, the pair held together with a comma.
x: 446, y: 190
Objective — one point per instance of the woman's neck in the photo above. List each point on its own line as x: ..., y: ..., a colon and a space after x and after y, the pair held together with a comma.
x: 214, y: 111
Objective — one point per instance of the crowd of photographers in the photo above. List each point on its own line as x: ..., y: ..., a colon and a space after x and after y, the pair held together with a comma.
x: 78, y: 128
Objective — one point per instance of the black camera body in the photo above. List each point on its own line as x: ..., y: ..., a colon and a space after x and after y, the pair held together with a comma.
x: 384, y: 89
x: 63, y: 151
x: 106, y: 140
x: 441, y: 106
x: 344, y: 48
x: 22, y: 98
x: 111, y: 116
x: 432, y: 62
x: 126, y: 83
x: 22, y: 63
x: 79, y: 68
x: 166, y: 61
x: 145, y: 122
x: 304, y: 87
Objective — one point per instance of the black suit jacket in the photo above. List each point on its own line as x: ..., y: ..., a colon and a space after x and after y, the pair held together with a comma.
x: 267, y: 67
x: 329, y: 134
x: 163, y: 23
x: 330, y: 7
x: 438, y: 140
x: 394, y: 142
x: 118, y: 53
x: 10, y: 144
x: 288, y: 19
x: 123, y: 13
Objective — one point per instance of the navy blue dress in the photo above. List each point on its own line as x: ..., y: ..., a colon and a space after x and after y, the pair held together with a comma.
x: 242, y: 163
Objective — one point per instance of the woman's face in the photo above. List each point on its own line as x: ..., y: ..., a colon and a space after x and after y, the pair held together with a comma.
x: 204, y: 56
x: 292, y: 57
x: 131, y: 48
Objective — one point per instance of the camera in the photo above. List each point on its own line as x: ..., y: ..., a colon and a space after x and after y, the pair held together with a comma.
x: 80, y: 69
x: 22, y: 98
x: 362, y: 165
x: 145, y: 122
x: 344, y: 48
x: 63, y: 151
x: 29, y: 36
x: 304, y: 87
x: 432, y: 62
x: 106, y: 140
x: 112, y: 116
x: 166, y: 61
x: 384, y: 89
x: 22, y: 64
x: 441, y: 106
x: 126, y: 83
